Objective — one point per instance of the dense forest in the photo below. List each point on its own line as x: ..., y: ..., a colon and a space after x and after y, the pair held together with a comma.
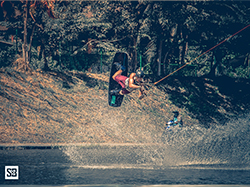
x: 159, y: 36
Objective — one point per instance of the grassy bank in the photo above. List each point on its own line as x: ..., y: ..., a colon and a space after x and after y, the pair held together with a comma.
x: 72, y: 107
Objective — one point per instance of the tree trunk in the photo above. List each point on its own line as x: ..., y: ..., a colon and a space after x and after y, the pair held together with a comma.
x: 181, y: 45
x: 183, y: 50
x: 181, y: 54
x: 217, y: 61
x: 159, y: 58
x: 248, y: 65
x: 90, y: 47
x: 46, y: 66
x: 165, y: 63
x: 212, y: 67
x: 25, y: 32
x: 169, y: 55
x: 186, y: 47
x: 31, y: 38
x: 135, y: 52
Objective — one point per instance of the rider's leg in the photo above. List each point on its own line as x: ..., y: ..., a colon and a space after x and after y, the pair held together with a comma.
x: 119, y: 72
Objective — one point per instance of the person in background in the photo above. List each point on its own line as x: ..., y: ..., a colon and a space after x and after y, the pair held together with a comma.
x: 177, y: 120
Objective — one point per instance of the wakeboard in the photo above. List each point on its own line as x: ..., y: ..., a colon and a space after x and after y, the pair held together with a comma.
x: 116, y: 100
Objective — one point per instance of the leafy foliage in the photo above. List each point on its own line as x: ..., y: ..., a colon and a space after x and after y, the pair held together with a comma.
x: 166, y: 34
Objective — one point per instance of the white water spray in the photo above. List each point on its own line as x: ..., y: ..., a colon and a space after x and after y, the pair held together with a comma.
x: 186, y: 146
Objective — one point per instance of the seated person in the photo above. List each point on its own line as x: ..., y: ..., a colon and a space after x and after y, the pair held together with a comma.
x: 176, y: 121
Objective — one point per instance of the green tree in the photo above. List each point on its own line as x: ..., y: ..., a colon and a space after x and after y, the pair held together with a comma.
x: 30, y: 10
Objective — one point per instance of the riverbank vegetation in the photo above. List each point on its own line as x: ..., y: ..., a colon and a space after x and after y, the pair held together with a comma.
x: 56, y: 57
x: 82, y: 35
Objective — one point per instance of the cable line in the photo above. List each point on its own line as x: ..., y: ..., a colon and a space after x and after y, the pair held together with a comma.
x: 201, y: 54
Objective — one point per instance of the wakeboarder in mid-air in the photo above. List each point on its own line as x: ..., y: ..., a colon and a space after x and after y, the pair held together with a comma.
x: 129, y: 84
x: 120, y: 83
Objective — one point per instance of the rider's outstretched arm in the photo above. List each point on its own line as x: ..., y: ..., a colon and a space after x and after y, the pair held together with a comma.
x: 131, y: 82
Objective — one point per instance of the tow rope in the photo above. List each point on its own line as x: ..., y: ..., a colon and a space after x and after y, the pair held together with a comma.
x: 202, y: 54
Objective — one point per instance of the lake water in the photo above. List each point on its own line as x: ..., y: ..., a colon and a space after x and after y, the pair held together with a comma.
x: 113, y: 166
x: 188, y: 155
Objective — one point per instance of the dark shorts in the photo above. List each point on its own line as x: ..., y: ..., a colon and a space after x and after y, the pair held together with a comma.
x: 121, y: 80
